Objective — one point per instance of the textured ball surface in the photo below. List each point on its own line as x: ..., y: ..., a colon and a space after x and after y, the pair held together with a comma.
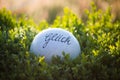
x: 55, y: 41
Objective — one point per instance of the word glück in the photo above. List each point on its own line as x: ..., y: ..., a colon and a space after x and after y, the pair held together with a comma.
x: 57, y: 38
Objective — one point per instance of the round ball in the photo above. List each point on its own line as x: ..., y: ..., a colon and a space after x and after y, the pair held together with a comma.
x: 55, y: 41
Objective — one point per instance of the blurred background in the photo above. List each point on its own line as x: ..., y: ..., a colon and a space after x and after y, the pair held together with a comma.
x: 48, y: 9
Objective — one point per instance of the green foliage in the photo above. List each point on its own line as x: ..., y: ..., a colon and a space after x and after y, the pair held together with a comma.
x: 98, y: 36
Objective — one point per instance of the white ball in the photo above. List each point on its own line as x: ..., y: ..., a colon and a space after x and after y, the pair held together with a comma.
x: 55, y: 41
